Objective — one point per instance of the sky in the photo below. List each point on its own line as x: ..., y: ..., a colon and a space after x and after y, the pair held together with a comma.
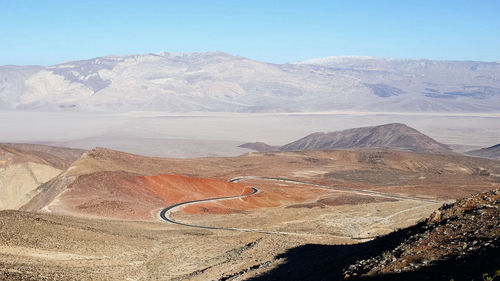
x: 45, y: 32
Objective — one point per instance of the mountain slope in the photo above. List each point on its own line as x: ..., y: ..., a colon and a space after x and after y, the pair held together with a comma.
x: 111, y: 184
x: 391, y: 136
x: 23, y: 167
x: 215, y: 81
x: 58, y: 157
x: 457, y: 241
x: 492, y: 152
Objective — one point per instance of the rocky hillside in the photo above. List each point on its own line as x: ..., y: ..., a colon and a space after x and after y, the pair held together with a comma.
x: 216, y: 81
x: 23, y: 167
x: 390, y: 136
x: 460, y: 241
x: 492, y: 152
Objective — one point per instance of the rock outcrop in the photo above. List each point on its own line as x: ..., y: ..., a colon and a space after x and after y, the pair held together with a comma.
x: 459, y: 241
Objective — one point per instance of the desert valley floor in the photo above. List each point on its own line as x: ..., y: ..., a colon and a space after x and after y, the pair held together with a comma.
x: 182, y: 135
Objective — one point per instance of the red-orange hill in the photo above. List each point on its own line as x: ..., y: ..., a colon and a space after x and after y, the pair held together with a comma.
x: 122, y: 195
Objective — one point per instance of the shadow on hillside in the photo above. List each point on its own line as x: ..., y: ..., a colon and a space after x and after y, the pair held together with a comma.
x: 457, y: 269
x: 327, y: 262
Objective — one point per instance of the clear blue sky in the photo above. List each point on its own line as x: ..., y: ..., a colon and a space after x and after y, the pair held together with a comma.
x: 48, y: 32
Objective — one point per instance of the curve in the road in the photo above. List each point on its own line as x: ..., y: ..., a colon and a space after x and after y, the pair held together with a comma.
x: 164, y: 213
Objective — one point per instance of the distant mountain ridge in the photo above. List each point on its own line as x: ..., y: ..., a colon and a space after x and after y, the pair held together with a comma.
x: 259, y: 146
x: 389, y: 136
x: 220, y: 82
x: 492, y: 152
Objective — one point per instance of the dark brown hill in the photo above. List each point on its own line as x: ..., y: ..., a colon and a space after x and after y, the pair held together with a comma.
x: 390, y: 136
x: 259, y: 146
x: 492, y: 152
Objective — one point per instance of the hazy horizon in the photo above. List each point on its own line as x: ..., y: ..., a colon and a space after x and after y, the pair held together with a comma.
x: 222, y: 51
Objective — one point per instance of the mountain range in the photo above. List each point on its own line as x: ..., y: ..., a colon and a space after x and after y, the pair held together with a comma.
x: 220, y: 82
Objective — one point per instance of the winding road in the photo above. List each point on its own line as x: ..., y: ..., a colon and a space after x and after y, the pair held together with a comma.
x: 165, y: 213
x: 338, y: 188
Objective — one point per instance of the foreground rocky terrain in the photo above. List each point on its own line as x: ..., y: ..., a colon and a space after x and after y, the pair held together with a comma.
x: 459, y: 241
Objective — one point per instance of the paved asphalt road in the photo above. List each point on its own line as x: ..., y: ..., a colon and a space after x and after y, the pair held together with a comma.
x: 164, y: 214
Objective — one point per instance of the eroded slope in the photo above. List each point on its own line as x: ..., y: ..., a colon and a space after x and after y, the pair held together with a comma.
x: 23, y: 167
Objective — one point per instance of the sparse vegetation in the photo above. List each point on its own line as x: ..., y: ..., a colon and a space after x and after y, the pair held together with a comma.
x: 387, y: 255
x: 488, y: 277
